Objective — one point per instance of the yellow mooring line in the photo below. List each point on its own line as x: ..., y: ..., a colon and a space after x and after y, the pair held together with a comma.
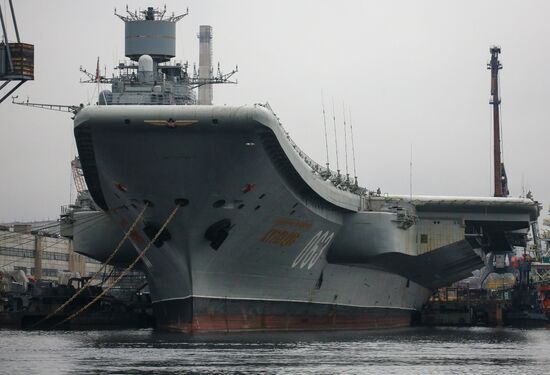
x: 103, y: 266
x: 125, y: 272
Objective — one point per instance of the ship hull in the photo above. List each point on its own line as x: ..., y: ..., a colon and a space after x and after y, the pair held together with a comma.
x: 200, y: 314
x: 247, y: 249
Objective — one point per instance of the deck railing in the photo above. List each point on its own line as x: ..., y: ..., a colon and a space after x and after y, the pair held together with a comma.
x: 337, y: 179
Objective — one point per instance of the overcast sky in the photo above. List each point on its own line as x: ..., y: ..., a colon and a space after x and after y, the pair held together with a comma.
x: 413, y: 73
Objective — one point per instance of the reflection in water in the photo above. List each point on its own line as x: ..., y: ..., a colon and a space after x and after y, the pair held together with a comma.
x: 410, y: 351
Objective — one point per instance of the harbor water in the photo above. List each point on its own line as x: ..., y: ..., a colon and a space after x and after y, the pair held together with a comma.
x: 409, y: 351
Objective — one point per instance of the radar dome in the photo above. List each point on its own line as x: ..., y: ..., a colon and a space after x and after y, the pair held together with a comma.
x: 145, y: 63
x: 145, y: 69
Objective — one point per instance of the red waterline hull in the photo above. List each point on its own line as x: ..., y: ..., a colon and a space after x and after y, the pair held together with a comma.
x: 196, y: 315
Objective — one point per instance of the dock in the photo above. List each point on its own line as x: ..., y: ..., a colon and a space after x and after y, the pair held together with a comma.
x: 465, y: 307
x: 27, y: 304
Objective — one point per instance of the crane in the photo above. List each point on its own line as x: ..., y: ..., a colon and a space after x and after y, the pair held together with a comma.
x: 16, y: 59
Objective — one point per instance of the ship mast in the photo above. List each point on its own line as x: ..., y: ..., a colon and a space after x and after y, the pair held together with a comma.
x: 500, y: 183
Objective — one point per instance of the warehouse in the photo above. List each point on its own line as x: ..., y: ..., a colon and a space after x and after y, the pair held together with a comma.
x: 37, y: 249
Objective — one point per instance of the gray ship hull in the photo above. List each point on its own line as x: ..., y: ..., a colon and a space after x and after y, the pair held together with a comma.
x: 262, y: 242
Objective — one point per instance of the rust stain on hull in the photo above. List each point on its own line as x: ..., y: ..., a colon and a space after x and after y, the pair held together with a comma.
x: 220, y: 315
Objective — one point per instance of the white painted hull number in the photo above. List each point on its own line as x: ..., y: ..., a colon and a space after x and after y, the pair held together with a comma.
x: 311, y: 253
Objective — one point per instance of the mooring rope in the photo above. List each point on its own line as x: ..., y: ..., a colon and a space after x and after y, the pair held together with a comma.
x: 128, y: 269
x: 103, y: 266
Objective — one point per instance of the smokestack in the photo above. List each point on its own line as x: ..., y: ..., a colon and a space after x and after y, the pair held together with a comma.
x: 205, y: 64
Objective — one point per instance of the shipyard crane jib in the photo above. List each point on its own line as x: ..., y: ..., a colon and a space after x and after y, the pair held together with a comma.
x: 78, y: 176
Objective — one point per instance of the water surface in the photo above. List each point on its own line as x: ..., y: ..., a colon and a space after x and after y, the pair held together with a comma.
x: 411, y: 351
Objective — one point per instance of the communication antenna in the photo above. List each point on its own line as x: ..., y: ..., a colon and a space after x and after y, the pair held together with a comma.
x: 411, y: 174
x: 352, y: 147
x: 345, y: 140
x: 325, y: 126
x: 335, y: 138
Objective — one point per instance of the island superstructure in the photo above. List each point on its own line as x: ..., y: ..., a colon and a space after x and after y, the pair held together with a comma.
x: 265, y: 238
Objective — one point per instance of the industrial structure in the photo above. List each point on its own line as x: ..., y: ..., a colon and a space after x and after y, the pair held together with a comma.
x: 515, y: 280
x: 40, y: 272
x: 541, y: 254
x: 38, y: 250
x: 16, y: 59
x: 500, y: 179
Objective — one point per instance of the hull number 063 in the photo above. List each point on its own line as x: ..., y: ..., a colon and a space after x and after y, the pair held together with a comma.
x: 311, y: 253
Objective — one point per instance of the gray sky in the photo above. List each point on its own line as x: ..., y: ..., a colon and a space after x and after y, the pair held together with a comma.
x: 412, y: 72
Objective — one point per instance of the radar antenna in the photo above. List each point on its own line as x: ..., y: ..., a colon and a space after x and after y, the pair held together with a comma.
x: 197, y: 81
x: 95, y: 77
x: 150, y: 14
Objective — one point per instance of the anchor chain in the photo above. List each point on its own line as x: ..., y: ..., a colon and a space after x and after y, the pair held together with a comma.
x: 103, y: 266
x: 128, y: 269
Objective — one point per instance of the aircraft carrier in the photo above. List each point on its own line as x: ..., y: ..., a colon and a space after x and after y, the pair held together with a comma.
x: 264, y: 237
